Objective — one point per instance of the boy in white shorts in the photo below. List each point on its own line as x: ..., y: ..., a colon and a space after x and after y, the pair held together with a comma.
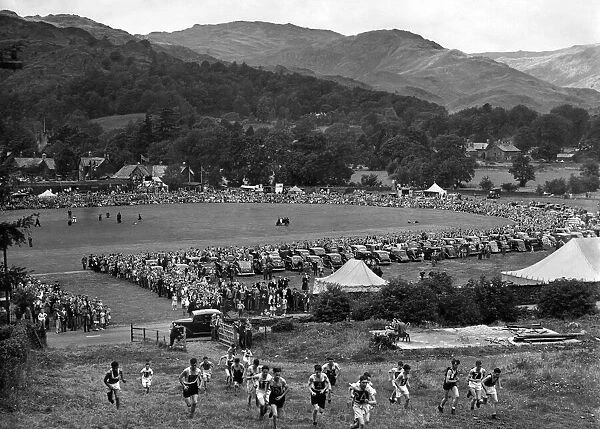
x: 489, y: 386
x: 476, y: 374
x: 111, y: 380
x: 362, y: 400
x: 401, y: 384
x: 146, y: 377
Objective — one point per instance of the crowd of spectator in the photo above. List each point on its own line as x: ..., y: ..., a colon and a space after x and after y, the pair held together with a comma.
x: 54, y: 308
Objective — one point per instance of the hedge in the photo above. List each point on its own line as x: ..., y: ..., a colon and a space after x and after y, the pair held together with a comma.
x: 14, y: 354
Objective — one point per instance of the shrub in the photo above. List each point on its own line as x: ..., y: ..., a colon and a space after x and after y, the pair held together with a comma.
x: 556, y: 186
x: 567, y: 299
x: 383, y: 342
x: 496, y: 300
x: 408, y: 302
x: 14, y: 352
x: 333, y: 305
x: 486, y: 184
x: 460, y: 308
x: 284, y: 325
x: 510, y: 187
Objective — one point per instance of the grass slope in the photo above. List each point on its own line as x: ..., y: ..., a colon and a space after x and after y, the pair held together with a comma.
x: 545, y: 386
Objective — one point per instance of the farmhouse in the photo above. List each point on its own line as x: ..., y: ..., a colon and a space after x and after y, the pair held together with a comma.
x: 94, y: 167
x: 501, y: 151
x: 36, y: 167
x: 476, y: 149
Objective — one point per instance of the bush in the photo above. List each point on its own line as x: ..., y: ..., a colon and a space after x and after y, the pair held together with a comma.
x: 14, y: 352
x: 383, y: 342
x: 486, y: 184
x: 333, y: 305
x: 409, y: 302
x: 556, y: 186
x: 510, y: 187
x: 460, y: 308
x: 284, y: 325
x: 496, y: 300
x: 567, y: 299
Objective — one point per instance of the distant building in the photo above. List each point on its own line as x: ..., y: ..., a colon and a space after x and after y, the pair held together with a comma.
x: 133, y: 172
x: 35, y: 167
x: 476, y: 149
x: 94, y: 167
x: 567, y: 154
x: 501, y: 151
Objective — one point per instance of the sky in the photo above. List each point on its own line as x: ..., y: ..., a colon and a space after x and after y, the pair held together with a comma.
x: 467, y: 25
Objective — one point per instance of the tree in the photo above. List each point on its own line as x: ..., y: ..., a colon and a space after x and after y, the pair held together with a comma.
x: 522, y: 170
x: 486, y: 184
x: 370, y: 180
x: 333, y: 305
x: 567, y: 299
x: 13, y: 233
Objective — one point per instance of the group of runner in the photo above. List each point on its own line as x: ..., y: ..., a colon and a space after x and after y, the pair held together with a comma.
x: 267, y: 389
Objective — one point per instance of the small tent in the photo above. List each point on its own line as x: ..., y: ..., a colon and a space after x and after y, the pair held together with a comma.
x: 295, y: 190
x: 353, y: 276
x: 435, y: 190
x: 47, y: 194
x: 579, y: 259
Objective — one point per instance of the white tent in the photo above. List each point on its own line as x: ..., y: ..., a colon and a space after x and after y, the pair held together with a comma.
x: 47, y: 194
x: 435, y: 189
x: 295, y: 190
x: 353, y: 276
x: 579, y: 259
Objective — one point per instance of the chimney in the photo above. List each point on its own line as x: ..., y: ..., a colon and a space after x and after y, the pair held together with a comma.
x: 43, y: 156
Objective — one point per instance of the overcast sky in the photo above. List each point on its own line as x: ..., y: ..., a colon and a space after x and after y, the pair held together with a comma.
x: 468, y: 25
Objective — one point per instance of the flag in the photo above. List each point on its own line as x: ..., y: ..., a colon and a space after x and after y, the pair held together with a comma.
x: 144, y: 159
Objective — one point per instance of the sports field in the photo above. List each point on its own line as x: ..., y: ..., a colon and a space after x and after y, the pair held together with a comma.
x: 58, y: 247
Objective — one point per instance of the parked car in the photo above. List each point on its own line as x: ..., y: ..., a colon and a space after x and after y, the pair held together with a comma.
x: 449, y: 251
x: 294, y: 263
x: 315, y: 258
x: 382, y: 257
x: 199, y: 324
x: 277, y: 262
x: 304, y: 253
x: 399, y: 255
x: 319, y: 251
x: 360, y: 251
x: 333, y: 260
x: 244, y: 268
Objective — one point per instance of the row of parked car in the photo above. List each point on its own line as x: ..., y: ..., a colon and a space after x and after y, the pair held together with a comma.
x: 335, y: 255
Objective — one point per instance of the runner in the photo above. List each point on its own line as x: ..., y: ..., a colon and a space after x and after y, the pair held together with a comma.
x: 206, y: 370
x: 361, y: 399
x: 247, y: 357
x: 450, y: 386
x: 392, y: 375
x: 251, y: 372
x: 332, y: 371
x: 402, y: 385
x: 489, y: 386
x: 263, y: 388
x: 476, y: 374
x: 228, y: 358
x: 237, y: 373
x: 189, y: 379
x: 318, y: 384
x: 111, y: 380
x: 279, y: 389
x: 146, y: 377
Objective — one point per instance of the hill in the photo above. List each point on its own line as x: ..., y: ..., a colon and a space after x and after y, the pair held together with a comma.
x: 392, y: 60
x: 576, y: 67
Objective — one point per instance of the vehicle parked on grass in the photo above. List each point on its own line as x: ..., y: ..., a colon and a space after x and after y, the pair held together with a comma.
x: 303, y: 253
x: 314, y: 258
x: 276, y: 261
x: 518, y: 245
x: 449, y: 251
x: 399, y: 254
x: 360, y: 251
x: 294, y: 263
x: 319, y: 251
x: 244, y: 267
x: 333, y: 260
x: 381, y: 256
x: 199, y: 323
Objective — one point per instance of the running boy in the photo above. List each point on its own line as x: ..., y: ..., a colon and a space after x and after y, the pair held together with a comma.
x: 476, y: 374
x: 332, y: 371
x: 263, y: 389
x: 146, y: 377
x: 279, y: 388
x: 237, y: 373
x: 489, y: 386
x: 402, y: 385
x: 111, y: 380
x: 251, y: 372
x: 319, y: 385
x: 392, y: 375
x: 362, y: 400
x: 228, y: 358
x: 450, y: 386
x: 206, y: 372
x: 189, y: 379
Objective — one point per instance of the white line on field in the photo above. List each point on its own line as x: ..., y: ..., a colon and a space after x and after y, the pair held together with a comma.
x: 91, y: 336
x: 62, y: 272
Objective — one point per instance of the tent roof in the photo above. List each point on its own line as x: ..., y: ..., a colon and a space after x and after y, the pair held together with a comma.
x: 47, y: 194
x: 353, y: 276
x: 295, y: 189
x: 435, y: 188
x: 579, y: 259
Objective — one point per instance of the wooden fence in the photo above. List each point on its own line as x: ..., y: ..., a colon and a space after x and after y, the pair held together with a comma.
x: 145, y: 335
x: 228, y: 334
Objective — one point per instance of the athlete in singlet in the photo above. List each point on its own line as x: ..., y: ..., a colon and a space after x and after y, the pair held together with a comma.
x: 146, y: 377
x: 263, y: 389
x: 361, y: 400
x: 402, y: 385
x: 332, y: 371
x: 392, y: 375
x: 228, y: 358
x: 476, y: 374
x: 450, y: 386
x: 237, y: 373
x: 111, y: 380
x: 279, y: 389
x: 206, y: 372
x: 251, y: 372
x: 318, y: 383
x: 489, y: 386
x: 190, y: 380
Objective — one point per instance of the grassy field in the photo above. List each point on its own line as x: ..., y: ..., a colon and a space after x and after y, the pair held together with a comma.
x: 58, y: 247
x: 109, y: 123
x: 544, y: 386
